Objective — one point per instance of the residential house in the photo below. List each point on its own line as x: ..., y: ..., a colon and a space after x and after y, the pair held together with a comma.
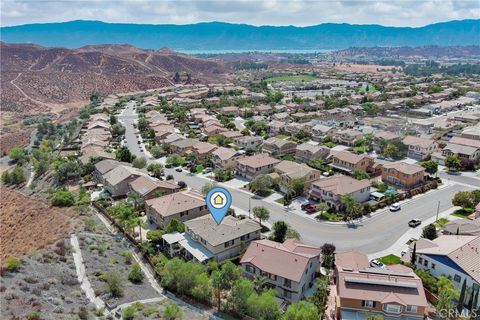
x: 148, y: 187
x: 213, y: 129
x: 331, y: 190
x: 250, y: 167
x: 420, y: 148
x: 205, y: 240
x: 471, y: 133
x: 394, y: 292
x: 289, y: 267
x: 454, y: 256
x: 307, y: 151
x: 289, y: 170
x: 181, y: 147
x: 348, y: 162
x: 382, y: 138
x: 347, y: 137
x: 276, y: 146
x: 275, y: 127
x: 466, y: 154
x: 263, y: 109
x: 117, y: 181
x: 104, y: 166
x: 94, y: 152
x: 248, y: 142
x: 231, y: 134
x: 320, y: 132
x: 403, y: 175
x: 203, y: 149
x: 230, y: 111
x: 182, y: 206
x: 225, y: 158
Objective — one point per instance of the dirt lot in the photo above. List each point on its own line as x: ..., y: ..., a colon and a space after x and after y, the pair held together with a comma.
x: 103, y: 253
x: 28, y: 224
x: 47, y: 283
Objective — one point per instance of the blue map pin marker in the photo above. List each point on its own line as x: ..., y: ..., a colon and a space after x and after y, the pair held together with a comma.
x: 218, y: 201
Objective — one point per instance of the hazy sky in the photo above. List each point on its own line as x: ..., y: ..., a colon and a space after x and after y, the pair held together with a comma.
x: 268, y: 12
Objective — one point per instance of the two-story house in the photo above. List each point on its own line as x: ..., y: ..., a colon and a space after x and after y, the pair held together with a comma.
x: 248, y: 142
x: 420, y: 148
x: 348, y: 162
x: 330, y: 190
x: 394, y: 292
x: 347, y: 137
x: 148, y: 187
x: 454, y: 256
x: 117, y: 181
x: 289, y: 267
x: 250, y: 167
x: 181, y: 206
x: 289, y: 170
x: 275, y: 146
x: 307, y: 151
x: 225, y: 158
x: 403, y: 175
x: 205, y: 240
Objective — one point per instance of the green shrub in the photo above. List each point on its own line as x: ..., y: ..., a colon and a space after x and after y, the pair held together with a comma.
x: 13, y: 264
x: 136, y: 275
x: 63, y: 198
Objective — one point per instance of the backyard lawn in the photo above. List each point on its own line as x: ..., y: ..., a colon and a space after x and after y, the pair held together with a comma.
x: 390, y: 259
x: 463, y: 213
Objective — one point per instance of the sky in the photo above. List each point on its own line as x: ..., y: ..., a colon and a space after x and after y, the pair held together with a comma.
x: 267, y: 12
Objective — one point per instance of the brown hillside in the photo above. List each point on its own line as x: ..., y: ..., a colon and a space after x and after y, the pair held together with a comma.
x: 28, y: 224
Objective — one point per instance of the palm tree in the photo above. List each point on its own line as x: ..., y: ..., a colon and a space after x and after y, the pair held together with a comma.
x: 136, y: 199
x: 322, y: 207
x: 352, y: 207
x: 258, y: 283
x: 261, y: 213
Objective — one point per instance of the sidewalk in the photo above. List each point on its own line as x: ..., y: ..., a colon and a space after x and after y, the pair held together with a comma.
x: 401, y: 243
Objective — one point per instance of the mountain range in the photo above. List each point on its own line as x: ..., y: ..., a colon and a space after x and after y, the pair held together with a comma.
x: 227, y: 36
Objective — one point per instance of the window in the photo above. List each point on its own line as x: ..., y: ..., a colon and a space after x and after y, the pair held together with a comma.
x: 420, y: 260
x: 392, y: 308
x: 425, y: 263
x: 433, y: 266
x: 411, y: 308
x: 250, y: 269
x: 287, y: 283
x: 368, y: 303
x: 287, y: 294
x: 457, y: 278
x: 229, y: 243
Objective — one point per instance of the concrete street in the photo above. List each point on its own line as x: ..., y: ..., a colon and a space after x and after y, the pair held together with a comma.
x: 370, y: 235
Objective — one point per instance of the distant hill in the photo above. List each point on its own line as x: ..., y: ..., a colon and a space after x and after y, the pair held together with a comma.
x: 226, y: 36
x: 37, y: 79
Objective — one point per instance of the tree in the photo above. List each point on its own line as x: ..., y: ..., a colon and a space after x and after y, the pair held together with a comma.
x: 279, y: 231
x: 63, y: 198
x: 352, y: 207
x: 175, y: 226
x: 13, y: 264
x: 139, y: 163
x: 18, y: 155
x: 263, y: 306
x: 391, y: 151
x: 17, y: 176
x: 297, y: 185
x: 172, y: 312
x: 142, y: 124
x: 430, y: 232
x: 261, y: 185
x: 218, y: 286
x: 202, y: 291
x: 129, y: 313
x: 360, y: 174
x: 118, y: 129
x: 261, y: 213
x: 464, y: 199
x: 69, y: 170
x: 452, y: 163
x: 207, y: 187
x: 156, y: 169
x: 124, y: 155
x: 155, y: 236
x: 242, y: 289
x: 430, y: 166
x: 174, y: 160
x: 6, y: 178
x: 446, y: 296
x: 320, y: 297
x: 301, y: 310
x: 461, y: 299
x: 136, y: 275
x: 156, y: 151
x: 114, y: 283
x: 322, y: 207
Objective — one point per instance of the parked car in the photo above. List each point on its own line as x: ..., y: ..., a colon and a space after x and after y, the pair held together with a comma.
x: 308, y: 206
x: 311, y: 209
x: 207, y: 170
x: 168, y: 166
x: 178, y: 169
x: 377, y: 264
x: 395, y: 207
x: 305, y: 205
x: 138, y: 142
x: 414, y: 223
